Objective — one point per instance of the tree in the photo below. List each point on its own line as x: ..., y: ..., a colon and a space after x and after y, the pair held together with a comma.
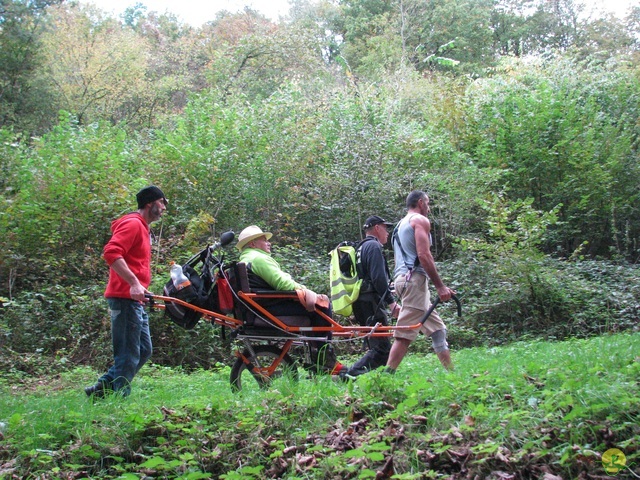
x: 604, y: 38
x: 97, y: 67
x: 555, y: 25
x: 633, y: 25
x: 445, y: 33
x: 66, y: 189
x: 368, y: 29
x: 433, y: 35
x: 23, y: 102
x: 509, y: 26
x: 176, y: 58
x: 250, y: 55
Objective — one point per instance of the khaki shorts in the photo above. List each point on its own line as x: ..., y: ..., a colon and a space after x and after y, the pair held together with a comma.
x: 416, y: 300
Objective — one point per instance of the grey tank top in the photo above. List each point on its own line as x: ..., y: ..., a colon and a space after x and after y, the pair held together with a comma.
x: 405, y: 257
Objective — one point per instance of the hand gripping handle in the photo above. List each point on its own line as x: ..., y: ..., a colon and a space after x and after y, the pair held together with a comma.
x: 436, y: 302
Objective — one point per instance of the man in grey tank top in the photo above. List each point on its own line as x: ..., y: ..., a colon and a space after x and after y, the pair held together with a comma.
x: 414, y: 266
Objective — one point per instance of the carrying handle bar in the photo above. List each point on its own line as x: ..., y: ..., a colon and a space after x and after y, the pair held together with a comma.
x: 435, y: 303
x: 150, y: 300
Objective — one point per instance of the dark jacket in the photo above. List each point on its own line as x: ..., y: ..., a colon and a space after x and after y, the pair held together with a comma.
x: 373, y: 269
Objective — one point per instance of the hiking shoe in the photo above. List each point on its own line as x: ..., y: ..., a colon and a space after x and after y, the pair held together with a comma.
x: 96, y: 391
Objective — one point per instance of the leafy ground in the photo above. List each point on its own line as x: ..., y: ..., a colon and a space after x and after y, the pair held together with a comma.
x: 525, y: 411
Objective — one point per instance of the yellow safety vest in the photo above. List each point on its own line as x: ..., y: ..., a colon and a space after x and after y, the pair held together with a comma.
x: 344, y: 288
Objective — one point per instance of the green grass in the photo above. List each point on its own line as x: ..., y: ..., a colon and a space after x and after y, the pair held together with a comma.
x: 526, y: 409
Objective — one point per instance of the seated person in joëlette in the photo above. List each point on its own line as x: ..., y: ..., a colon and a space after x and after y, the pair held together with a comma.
x: 255, y: 252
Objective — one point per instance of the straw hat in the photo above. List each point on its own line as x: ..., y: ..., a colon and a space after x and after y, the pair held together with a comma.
x: 251, y: 233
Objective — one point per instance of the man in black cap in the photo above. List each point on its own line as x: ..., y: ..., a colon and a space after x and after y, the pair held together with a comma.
x: 375, y: 295
x: 128, y: 254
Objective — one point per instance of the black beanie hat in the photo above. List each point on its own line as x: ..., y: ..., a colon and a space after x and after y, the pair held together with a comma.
x: 149, y: 194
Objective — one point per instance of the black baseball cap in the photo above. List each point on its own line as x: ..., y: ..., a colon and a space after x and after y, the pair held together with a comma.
x: 150, y: 194
x: 374, y: 220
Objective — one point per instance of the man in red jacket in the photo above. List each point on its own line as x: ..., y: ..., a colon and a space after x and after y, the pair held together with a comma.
x: 128, y: 254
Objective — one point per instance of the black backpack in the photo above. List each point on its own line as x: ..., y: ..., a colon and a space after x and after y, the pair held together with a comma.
x: 199, y: 293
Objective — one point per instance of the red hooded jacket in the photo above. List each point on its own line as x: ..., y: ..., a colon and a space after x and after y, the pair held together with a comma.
x: 132, y: 242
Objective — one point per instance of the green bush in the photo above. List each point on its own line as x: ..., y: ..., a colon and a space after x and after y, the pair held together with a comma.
x: 544, y: 298
x: 564, y: 134
x: 62, y: 322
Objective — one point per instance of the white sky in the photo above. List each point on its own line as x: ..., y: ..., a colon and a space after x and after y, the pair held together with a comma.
x: 197, y: 12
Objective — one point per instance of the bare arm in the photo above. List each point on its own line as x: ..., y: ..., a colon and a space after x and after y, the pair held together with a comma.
x: 137, y: 291
x: 422, y: 229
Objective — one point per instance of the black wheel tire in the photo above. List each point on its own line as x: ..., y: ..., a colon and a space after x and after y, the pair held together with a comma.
x: 266, y: 354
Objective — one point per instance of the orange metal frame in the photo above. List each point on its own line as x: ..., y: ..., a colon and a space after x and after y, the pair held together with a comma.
x: 250, y: 301
x: 268, y: 371
x: 333, y: 327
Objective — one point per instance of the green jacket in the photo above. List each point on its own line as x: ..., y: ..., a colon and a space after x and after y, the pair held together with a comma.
x: 261, y: 264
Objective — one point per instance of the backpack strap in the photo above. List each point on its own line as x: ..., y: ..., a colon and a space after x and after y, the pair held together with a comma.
x: 396, y: 238
x: 359, y: 245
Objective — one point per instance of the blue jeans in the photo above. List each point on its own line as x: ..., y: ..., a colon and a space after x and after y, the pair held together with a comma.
x: 131, y: 343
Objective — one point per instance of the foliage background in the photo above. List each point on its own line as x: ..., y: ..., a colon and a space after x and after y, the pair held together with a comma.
x: 522, y: 125
x: 520, y: 119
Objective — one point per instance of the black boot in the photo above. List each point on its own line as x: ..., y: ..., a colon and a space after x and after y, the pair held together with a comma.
x: 99, y: 390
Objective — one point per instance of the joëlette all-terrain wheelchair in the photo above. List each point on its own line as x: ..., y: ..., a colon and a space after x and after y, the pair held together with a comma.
x: 270, y: 345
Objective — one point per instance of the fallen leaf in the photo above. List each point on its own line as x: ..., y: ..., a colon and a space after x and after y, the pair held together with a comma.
x: 387, y: 470
x: 306, y: 460
x: 549, y: 476
x: 503, y: 475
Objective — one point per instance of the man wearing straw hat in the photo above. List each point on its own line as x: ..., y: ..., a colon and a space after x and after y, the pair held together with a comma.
x: 255, y: 250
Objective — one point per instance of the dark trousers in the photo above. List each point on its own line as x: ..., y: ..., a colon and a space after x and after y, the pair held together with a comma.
x: 131, y: 343
x: 368, y: 311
